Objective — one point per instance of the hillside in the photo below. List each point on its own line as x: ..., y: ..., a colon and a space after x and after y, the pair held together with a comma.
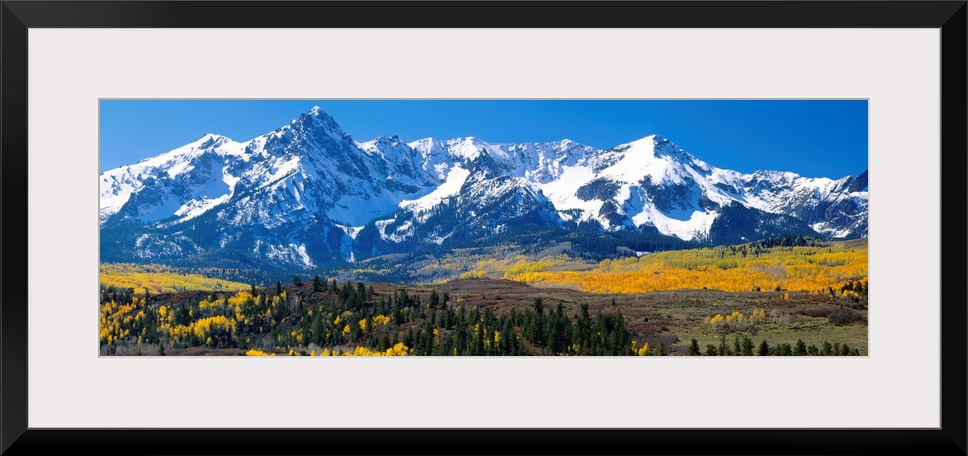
x: 160, y: 279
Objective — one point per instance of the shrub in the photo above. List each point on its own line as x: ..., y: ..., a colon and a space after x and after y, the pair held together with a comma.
x: 844, y: 317
x: 816, y: 311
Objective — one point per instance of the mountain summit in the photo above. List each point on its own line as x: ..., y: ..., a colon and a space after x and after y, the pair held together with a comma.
x: 307, y: 194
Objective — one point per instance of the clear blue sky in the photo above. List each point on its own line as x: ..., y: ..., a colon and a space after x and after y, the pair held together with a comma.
x: 813, y: 138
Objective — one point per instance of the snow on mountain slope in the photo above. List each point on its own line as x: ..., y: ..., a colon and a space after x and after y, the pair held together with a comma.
x: 614, y: 188
x: 307, y: 193
x: 451, y: 187
x: 196, y: 175
x: 434, y: 157
x: 312, y: 168
x: 832, y: 207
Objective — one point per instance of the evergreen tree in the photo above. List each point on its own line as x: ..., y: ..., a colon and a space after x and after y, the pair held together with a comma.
x: 461, y: 339
x: 538, y: 306
x: 556, y: 327
x: 694, y: 348
x: 784, y: 349
x: 747, y: 346
x: 844, y: 350
x: 582, y: 333
x: 827, y: 349
x: 764, y: 349
x: 478, y: 345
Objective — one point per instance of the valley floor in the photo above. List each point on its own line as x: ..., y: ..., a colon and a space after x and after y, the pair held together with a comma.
x: 759, y: 298
x: 325, y: 318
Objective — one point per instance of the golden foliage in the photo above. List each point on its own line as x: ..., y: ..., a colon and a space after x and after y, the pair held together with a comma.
x: 475, y: 274
x: 202, y: 328
x: 397, y: 350
x: 736, y: 321
x: 811, y: 269
x: 160, y: 279
x: 118, y: 321
x: 640, y: 351
x: 380, y: 320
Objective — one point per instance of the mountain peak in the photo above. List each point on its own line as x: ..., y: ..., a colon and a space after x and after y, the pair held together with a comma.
x: 211, y: 139
x: 642, y: 144
x: 319, y: 114
x: 564, y: 144
x: 424, y: 142
x: 471, y: 148
x: 859, y: 183
x: 318, y: 120
x: 428, y: 147
x: 650, y: 139
x: 383, y: 144
x: 207, y: 136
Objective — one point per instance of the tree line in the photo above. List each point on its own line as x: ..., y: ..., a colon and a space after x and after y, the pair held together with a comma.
x: 746, y: 347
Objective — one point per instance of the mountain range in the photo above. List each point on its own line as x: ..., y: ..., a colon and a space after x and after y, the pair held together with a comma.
x: 308, y: 195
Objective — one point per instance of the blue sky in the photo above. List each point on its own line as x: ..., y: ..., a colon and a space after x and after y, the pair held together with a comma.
x: 813, y: 138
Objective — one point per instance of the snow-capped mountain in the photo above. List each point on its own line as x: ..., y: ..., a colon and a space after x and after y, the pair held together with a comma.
x: 308, y: 194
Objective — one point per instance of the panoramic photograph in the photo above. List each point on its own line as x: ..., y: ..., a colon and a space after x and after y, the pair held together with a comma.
x: 483, y: 227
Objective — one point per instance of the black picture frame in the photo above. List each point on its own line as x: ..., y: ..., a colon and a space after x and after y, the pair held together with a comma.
x: 17, y: 17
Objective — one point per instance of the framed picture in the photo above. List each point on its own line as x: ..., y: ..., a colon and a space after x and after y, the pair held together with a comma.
x: 60, y: 60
